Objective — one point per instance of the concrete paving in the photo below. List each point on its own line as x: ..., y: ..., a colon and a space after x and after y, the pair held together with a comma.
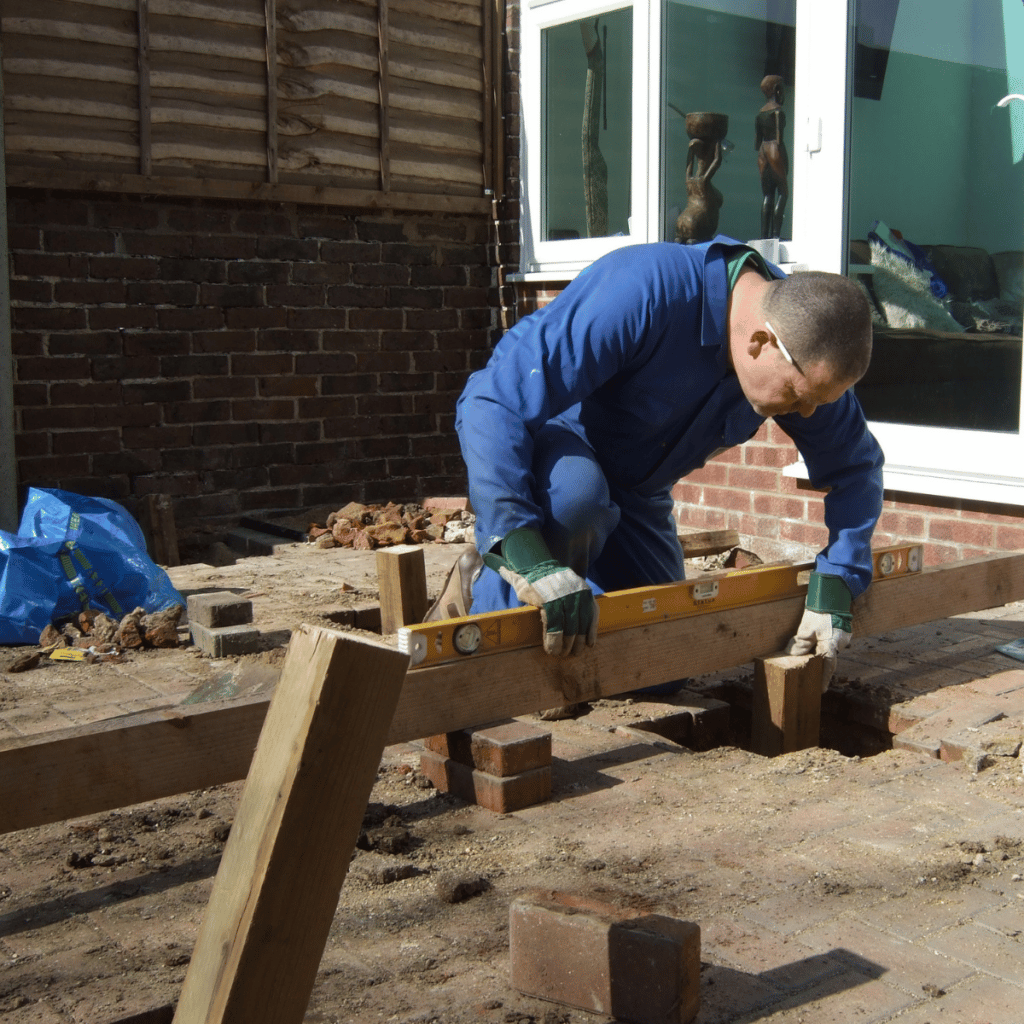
x: 828, y: 888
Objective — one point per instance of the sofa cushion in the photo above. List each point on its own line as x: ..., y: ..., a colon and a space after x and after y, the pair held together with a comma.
x: 967, y: 270
x: 1009, y: 267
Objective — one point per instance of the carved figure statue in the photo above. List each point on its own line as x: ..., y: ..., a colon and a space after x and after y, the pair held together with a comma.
x: 699, y: 221
x: 595, y: 170
x: 772, y: 159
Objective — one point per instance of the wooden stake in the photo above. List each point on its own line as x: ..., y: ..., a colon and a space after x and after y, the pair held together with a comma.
x: 786, y: 714
x: 402, y: 581
x: 276, y: 893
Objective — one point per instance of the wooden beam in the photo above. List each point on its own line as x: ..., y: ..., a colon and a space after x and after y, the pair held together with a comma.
x: 384, y: 95
x: 786, y: 713
x: 145, y: 106
x: 121, y: 761
x: 708, y: 542
x: 216, y: 188
x: 270, y: 19
x: 83, y: 770
x: 402, y: 583
x: 276, y: 892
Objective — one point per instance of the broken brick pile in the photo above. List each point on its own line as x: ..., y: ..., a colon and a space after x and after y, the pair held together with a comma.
x: 97, y: 636
x: 365, y: 527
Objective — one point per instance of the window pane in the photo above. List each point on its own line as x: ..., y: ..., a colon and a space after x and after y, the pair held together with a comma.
x: 718, y: 56
x: 587, y: 112
x: 937, y: 209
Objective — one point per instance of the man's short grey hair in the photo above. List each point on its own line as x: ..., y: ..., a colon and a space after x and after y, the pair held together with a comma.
x: 822, y: 318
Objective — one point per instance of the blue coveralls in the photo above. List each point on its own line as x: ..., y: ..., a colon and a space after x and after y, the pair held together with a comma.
x: 593, y: 407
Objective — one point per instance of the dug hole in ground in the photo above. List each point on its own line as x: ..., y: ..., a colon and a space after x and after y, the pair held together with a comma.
x: 841, y: 883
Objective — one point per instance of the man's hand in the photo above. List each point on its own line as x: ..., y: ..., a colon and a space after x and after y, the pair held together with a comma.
x: 568, y: 612
x: 827, y: 625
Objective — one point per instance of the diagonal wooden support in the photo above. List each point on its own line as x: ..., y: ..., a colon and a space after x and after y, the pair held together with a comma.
x: 275, y: 895
x: 786, y: 712
x: 144, y: 757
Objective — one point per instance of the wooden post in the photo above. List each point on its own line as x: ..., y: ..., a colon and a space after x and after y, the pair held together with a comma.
x: 402, y: 581
x: 145, y: 106
x: 786, y: 714
x: 276, y: 893
x: 163, y: 533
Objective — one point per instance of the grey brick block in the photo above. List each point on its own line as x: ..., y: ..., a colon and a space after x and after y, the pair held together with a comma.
x: 218, y: 609
x: 225, y: 640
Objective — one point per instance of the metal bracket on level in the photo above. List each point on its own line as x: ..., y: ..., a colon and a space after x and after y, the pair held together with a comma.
x: 431, y: 643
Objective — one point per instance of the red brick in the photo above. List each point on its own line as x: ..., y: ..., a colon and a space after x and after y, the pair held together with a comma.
x: 440, y: 504
x: 782, y: 506
x: 732, y: 456
x: 503, y: 749
x: 1009, y: 538
x: 960, y: 531
x: 712, y: 473
x: 755, y: 454
x: 735, y: 501
x: 754, y: 478
x: 496, y: 794
x: 637, y: 967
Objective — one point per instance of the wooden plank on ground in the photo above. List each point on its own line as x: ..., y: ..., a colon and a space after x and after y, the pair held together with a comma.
x: 786, y: 712
x: 276, y: 892
x: 77, y: 771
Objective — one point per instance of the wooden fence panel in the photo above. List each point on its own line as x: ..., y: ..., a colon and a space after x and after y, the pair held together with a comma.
x: 376, y: 96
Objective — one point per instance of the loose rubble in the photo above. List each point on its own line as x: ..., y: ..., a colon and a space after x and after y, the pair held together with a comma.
x: 365, y: 527
x: 93, y: 636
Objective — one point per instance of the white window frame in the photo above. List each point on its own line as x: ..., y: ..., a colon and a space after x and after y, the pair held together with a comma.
x: 568, y: 256
x: 976, y: 465
x: 972, y: 464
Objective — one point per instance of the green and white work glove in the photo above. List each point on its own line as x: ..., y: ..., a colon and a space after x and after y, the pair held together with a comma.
x: 568, y: 613
x: 827, y: 625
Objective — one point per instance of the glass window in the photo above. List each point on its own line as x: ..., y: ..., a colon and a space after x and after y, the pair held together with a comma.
x: 728, y: 100
x: 936, y: 209
x: 588, y: 132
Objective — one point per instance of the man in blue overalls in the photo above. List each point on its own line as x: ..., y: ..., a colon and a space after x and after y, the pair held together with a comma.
x: 653, y: 360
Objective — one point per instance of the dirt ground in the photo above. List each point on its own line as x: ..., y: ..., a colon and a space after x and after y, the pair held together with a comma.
x: 98, y: 915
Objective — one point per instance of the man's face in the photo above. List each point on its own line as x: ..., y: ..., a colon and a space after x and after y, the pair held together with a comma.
x: 774, y: 386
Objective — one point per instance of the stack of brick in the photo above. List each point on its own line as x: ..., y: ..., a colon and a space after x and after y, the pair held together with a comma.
x: 503, y: 767
x: 221, y: 624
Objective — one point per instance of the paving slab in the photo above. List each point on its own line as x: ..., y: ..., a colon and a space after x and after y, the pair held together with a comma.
x: 805, y: 873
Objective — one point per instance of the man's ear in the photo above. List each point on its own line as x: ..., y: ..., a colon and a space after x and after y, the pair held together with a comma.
x: 758, y: 340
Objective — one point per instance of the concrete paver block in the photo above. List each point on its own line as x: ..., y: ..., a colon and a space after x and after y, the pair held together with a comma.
x: 220, y: 608
x: 636, y: 967
x: 225, y: 640
x: 496, y: 794
x: 503, y: 749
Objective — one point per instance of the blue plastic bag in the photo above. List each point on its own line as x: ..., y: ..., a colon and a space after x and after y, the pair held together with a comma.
x: 71, y: 553
x: 907, y: 250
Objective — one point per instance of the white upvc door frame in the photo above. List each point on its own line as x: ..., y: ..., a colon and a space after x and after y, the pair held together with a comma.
x: 565, y: 258
x: 969, y: 464
x: 820, y: 158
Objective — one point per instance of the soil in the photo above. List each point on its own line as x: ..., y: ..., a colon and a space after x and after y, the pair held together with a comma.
x: 98, y: 915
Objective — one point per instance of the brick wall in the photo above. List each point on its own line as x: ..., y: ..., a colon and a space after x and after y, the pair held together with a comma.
x: 783, y: 518
x: 242, y: 357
